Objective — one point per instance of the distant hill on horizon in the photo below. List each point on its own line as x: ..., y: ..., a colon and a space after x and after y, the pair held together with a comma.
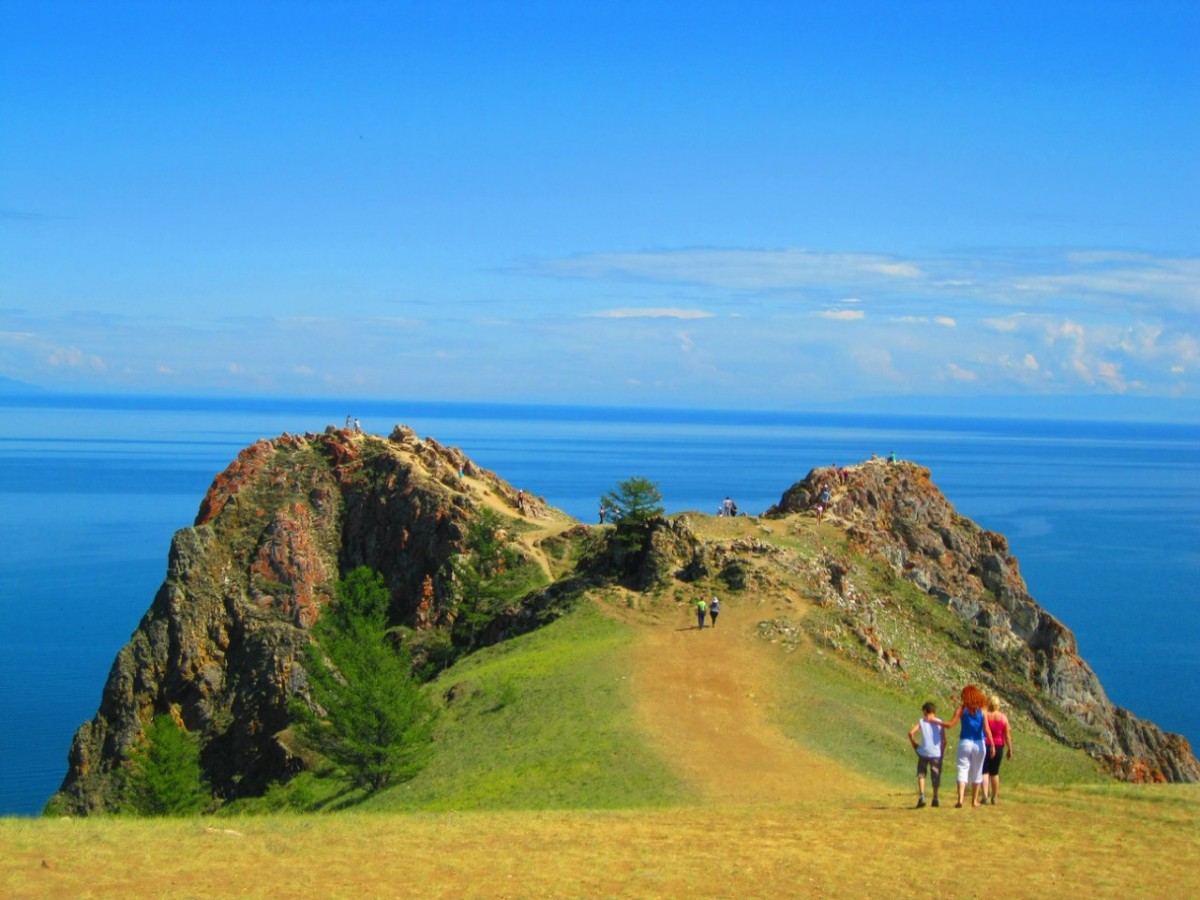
x: 13, y: 386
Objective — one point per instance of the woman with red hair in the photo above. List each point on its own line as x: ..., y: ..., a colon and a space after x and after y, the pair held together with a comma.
x: 973, y: 742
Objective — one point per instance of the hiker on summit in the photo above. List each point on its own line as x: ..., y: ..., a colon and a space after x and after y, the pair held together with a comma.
x: 823, y: 499
x: 973, y: 740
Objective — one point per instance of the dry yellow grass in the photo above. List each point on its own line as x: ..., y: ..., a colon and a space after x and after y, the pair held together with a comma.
x: 1099, y: 842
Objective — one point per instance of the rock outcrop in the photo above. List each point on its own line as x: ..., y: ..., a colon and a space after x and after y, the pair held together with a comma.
x: 221, y: 646
x: 894, y: 512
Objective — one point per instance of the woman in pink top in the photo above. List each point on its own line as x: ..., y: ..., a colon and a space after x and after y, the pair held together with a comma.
x: 1000, y: 738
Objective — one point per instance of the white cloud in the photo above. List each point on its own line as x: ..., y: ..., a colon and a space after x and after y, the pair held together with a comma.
x: 1137, y: 280
x: 752, y: 270
x: 843, y: 315
x: 1008, y: 324
x: 896, y: 270
x: 944, y: 321
x: 958, y: 373
x: 1035, y: 280
x: 74, y: 358
x: 685, y: 342
x: 656, y: 313
x: 876, y: 363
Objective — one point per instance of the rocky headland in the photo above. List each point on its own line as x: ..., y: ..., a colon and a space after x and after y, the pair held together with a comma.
x: 893, y: 574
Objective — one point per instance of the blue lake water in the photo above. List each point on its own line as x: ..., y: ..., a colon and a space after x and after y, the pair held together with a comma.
x: 1104, y: 518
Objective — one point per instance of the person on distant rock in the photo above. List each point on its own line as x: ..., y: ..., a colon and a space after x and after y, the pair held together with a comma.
x: 892, y: 456
x: 701, y: 609
x: 357, y: 427
x: 733, y: 509
x: 823, y: 498
x: 999, y: 745
x: 973, y: 740
x: 714, y: 609
x: 348, y: 421
x: 930, y: 750
x: 727, y: 506
x: 603, y: 510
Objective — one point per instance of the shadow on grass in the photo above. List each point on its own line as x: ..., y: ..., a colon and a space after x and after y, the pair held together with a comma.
x: 346, y: 798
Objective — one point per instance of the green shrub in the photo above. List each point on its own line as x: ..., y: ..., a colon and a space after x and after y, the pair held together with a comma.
x: 164, y: 776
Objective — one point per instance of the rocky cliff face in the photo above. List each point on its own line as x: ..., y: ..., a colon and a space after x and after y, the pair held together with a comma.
x: 221, y: 646
x: 893, y: 511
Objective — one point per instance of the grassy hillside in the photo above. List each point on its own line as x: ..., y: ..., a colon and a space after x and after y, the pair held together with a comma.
x: 622, y: 751
x: 539, y: 722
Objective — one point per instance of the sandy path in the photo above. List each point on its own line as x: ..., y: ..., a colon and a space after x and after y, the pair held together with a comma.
x: 703, y: 697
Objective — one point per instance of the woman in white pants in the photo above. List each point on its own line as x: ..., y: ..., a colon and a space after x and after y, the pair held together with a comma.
x: 973, y: 743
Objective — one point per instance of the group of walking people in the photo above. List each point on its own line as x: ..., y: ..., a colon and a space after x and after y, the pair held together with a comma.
x: 712, y: 608
x: 984, y: 740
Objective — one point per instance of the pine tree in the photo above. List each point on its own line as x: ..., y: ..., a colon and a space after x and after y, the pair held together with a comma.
x: 375, y: 722
x: 164, y: 777
x: 634, y: 503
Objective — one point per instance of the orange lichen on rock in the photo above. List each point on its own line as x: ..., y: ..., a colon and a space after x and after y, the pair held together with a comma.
x: 238, y: 473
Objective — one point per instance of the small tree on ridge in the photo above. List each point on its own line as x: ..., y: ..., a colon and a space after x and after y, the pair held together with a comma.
x: 634, y: 502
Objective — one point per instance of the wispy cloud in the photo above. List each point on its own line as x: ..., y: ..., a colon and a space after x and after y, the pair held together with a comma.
x: 74, y: 358
x: 653, y: 313
x: 1035, y: 280
x: 752, y: 270
x: 826, y: 325
x: 944, y: 321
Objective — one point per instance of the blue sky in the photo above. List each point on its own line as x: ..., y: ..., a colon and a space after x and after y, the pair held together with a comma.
x: 702, y: 204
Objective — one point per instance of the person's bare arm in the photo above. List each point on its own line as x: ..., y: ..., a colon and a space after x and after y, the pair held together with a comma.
x: 954, y: 721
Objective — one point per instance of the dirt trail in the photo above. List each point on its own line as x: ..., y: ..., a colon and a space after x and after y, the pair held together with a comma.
x: 550, y: 523
x: 703, y: 696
